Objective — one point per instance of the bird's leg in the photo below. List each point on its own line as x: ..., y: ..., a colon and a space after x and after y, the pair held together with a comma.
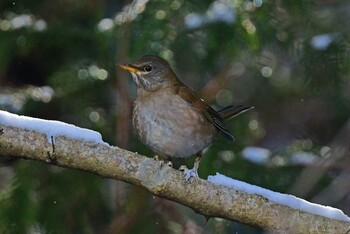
x: 189, y: 173
x: 197, y: 161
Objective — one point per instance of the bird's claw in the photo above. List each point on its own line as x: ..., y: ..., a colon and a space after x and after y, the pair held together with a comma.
x: 170, y: 164
x: 162, y: 162
x: 183, y: 168
x: 156, y: 157
x: 188, y: 173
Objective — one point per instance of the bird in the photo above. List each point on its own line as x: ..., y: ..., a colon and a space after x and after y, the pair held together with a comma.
x: 170, y: 118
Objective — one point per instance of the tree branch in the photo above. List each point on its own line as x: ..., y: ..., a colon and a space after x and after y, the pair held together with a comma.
x: 202, y: 196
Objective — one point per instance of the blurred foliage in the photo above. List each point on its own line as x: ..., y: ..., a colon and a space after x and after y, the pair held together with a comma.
x: 290, y: 59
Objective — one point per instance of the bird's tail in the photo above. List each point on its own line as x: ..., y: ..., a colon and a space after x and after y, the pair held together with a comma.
x: 233, y: 110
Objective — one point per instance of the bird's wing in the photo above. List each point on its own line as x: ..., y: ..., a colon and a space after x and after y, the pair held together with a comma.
x: 233, y: 110
x: 215, y: 118
x: 209, y: 113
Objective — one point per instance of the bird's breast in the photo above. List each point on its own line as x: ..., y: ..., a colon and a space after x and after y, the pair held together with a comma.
x: 170, y: 126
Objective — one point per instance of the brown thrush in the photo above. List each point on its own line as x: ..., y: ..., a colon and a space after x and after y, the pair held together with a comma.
x: 169, y: 118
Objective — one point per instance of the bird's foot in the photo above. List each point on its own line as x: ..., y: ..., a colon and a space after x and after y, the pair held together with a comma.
x: 188, y: 173
x: 157, y: 158
x: 170, y: 164
x: 162, y: 162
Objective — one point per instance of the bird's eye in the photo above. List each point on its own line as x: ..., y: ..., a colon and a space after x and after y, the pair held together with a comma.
x: 147, y: 68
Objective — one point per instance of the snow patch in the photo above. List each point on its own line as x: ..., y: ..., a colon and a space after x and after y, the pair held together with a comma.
x: 283, y: 199
x: 50, y: 128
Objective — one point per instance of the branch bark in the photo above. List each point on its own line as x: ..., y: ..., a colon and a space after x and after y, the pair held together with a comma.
x: 202, y: 196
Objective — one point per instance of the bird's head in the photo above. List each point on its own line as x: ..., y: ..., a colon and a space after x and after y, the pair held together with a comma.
x: 150, y: 72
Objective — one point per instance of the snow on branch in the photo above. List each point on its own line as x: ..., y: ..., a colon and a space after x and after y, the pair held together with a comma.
x: 68, y: 146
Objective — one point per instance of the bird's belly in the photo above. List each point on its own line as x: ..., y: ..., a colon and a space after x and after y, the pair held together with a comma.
x: 172, y: 128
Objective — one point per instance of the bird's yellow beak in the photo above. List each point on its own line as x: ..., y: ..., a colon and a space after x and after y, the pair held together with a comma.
x: 129, y: 68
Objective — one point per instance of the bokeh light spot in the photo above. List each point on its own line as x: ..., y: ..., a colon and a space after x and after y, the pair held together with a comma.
x: 83, y: 74
x: 257, y: 3
x: 94, y: 116
x: 224, y: 97
x: 101, y: 74
x: 325, y: 151
x: 160, y: 14
x: 175, y: 5
x: 249, y: 26
x: 253, y: 125
x: 105, y: 25
x: 167, y: 54
x: 227, y: 155
x: 40, y: 25
x: 266, y: 72
x: 5, y: 25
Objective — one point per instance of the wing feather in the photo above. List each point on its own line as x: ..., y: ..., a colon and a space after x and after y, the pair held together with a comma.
x: 210, y: 114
